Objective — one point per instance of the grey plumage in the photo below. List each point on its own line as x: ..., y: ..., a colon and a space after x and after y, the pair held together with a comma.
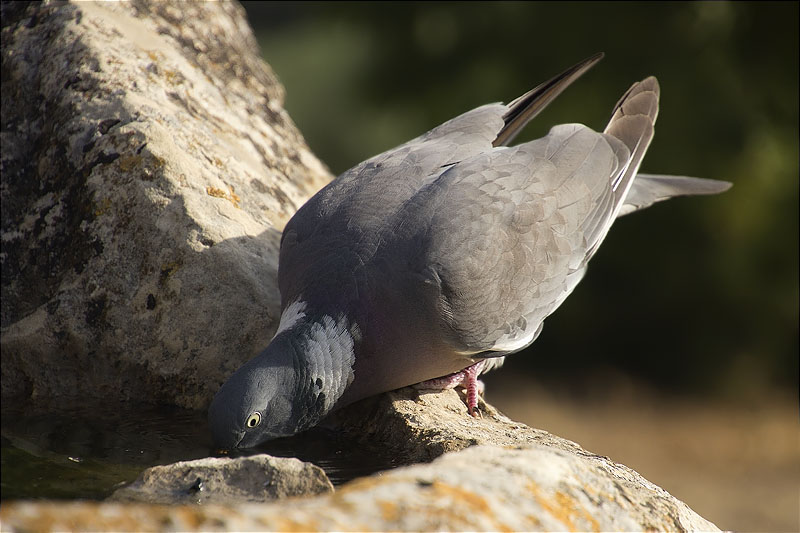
x: 448, y: 249
x: 651, y: 188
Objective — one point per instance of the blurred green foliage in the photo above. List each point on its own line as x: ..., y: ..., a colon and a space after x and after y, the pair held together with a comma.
x: 698, y: 294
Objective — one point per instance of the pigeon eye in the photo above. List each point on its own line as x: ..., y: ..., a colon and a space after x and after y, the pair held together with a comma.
x: 254, y: 419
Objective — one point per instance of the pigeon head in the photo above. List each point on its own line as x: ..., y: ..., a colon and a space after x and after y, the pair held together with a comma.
x: 255, y: 404
x: 290, y: 386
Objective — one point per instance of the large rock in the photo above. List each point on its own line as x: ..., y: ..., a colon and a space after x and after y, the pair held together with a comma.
x: 504, y: 476
x: 498, y: 475
x: 148, y: 168
x: 417, y: 425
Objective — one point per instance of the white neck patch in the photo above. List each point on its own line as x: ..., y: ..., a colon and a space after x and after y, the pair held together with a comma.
x: 329, y: 350
x: 291, y: 315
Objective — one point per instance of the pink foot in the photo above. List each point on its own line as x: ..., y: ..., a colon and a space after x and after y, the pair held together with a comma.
x: 467, y: 378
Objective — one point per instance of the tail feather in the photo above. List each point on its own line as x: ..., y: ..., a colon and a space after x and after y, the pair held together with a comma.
x: 629, y: 133
x: 648, y: 189
x: 632, y: 123
x: 526, y: 107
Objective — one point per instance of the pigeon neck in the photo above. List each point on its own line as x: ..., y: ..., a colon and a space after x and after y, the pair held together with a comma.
x: 324, y: 349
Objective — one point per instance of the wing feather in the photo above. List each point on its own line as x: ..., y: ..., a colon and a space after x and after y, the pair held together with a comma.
x: 510, y: 231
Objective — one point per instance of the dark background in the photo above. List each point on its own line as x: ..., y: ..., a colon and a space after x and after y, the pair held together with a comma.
x: 696, y: 296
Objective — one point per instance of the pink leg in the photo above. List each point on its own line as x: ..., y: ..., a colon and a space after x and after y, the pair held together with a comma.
x: 471, y: 378
x: 467, y: 378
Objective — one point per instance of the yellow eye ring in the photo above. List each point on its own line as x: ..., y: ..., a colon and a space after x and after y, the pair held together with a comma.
x: 253, y: 420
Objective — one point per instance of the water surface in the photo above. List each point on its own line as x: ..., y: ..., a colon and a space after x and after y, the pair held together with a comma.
x: 88, y: 452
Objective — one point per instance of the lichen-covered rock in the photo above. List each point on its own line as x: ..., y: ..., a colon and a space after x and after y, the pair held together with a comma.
x: 147, y: 171
x: 498, y: 475
x: 257, y: 478
x: 487, y: 488
x: 483, y: 488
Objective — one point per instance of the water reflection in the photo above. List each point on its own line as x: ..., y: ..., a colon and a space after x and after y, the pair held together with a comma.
x: 69, y: 452
x: 343, y: 457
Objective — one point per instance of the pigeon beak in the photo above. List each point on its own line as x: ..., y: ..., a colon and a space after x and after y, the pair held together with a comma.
x: 227, y: 440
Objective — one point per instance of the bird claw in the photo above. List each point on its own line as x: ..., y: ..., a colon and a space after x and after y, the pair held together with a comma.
x: 467, y: 378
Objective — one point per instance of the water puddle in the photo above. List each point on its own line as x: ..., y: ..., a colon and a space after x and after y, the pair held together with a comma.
x: 88, y: 453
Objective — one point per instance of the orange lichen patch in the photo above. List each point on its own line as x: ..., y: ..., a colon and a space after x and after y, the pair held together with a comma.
x: 535, y: 521
x: 474, y: 504
x: 474, y: 501
x: 440, y: 502
x: 28, y: 516
x: 173, y: 77
x: 216, y: 193
x: 389, y: 511
x: 298, y: 526
x: 564, y: 508
x: 567, y: 501
x: 232, y: 197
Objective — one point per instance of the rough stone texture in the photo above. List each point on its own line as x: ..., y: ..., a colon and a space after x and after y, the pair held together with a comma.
x: 499, y: 476
x: 483, y: 488
x: 147, y: 171
x: 257, y: 478
x: 419, y: 426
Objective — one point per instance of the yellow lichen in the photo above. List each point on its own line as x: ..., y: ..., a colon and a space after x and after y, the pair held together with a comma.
x: 234, y: 198
x: 173, y: 78
x: 473, y: 500
x: 389, y: 511
x: 290, y: 524
x: 216, y: 193
x: 129, y: 162
x: 564, y: 508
